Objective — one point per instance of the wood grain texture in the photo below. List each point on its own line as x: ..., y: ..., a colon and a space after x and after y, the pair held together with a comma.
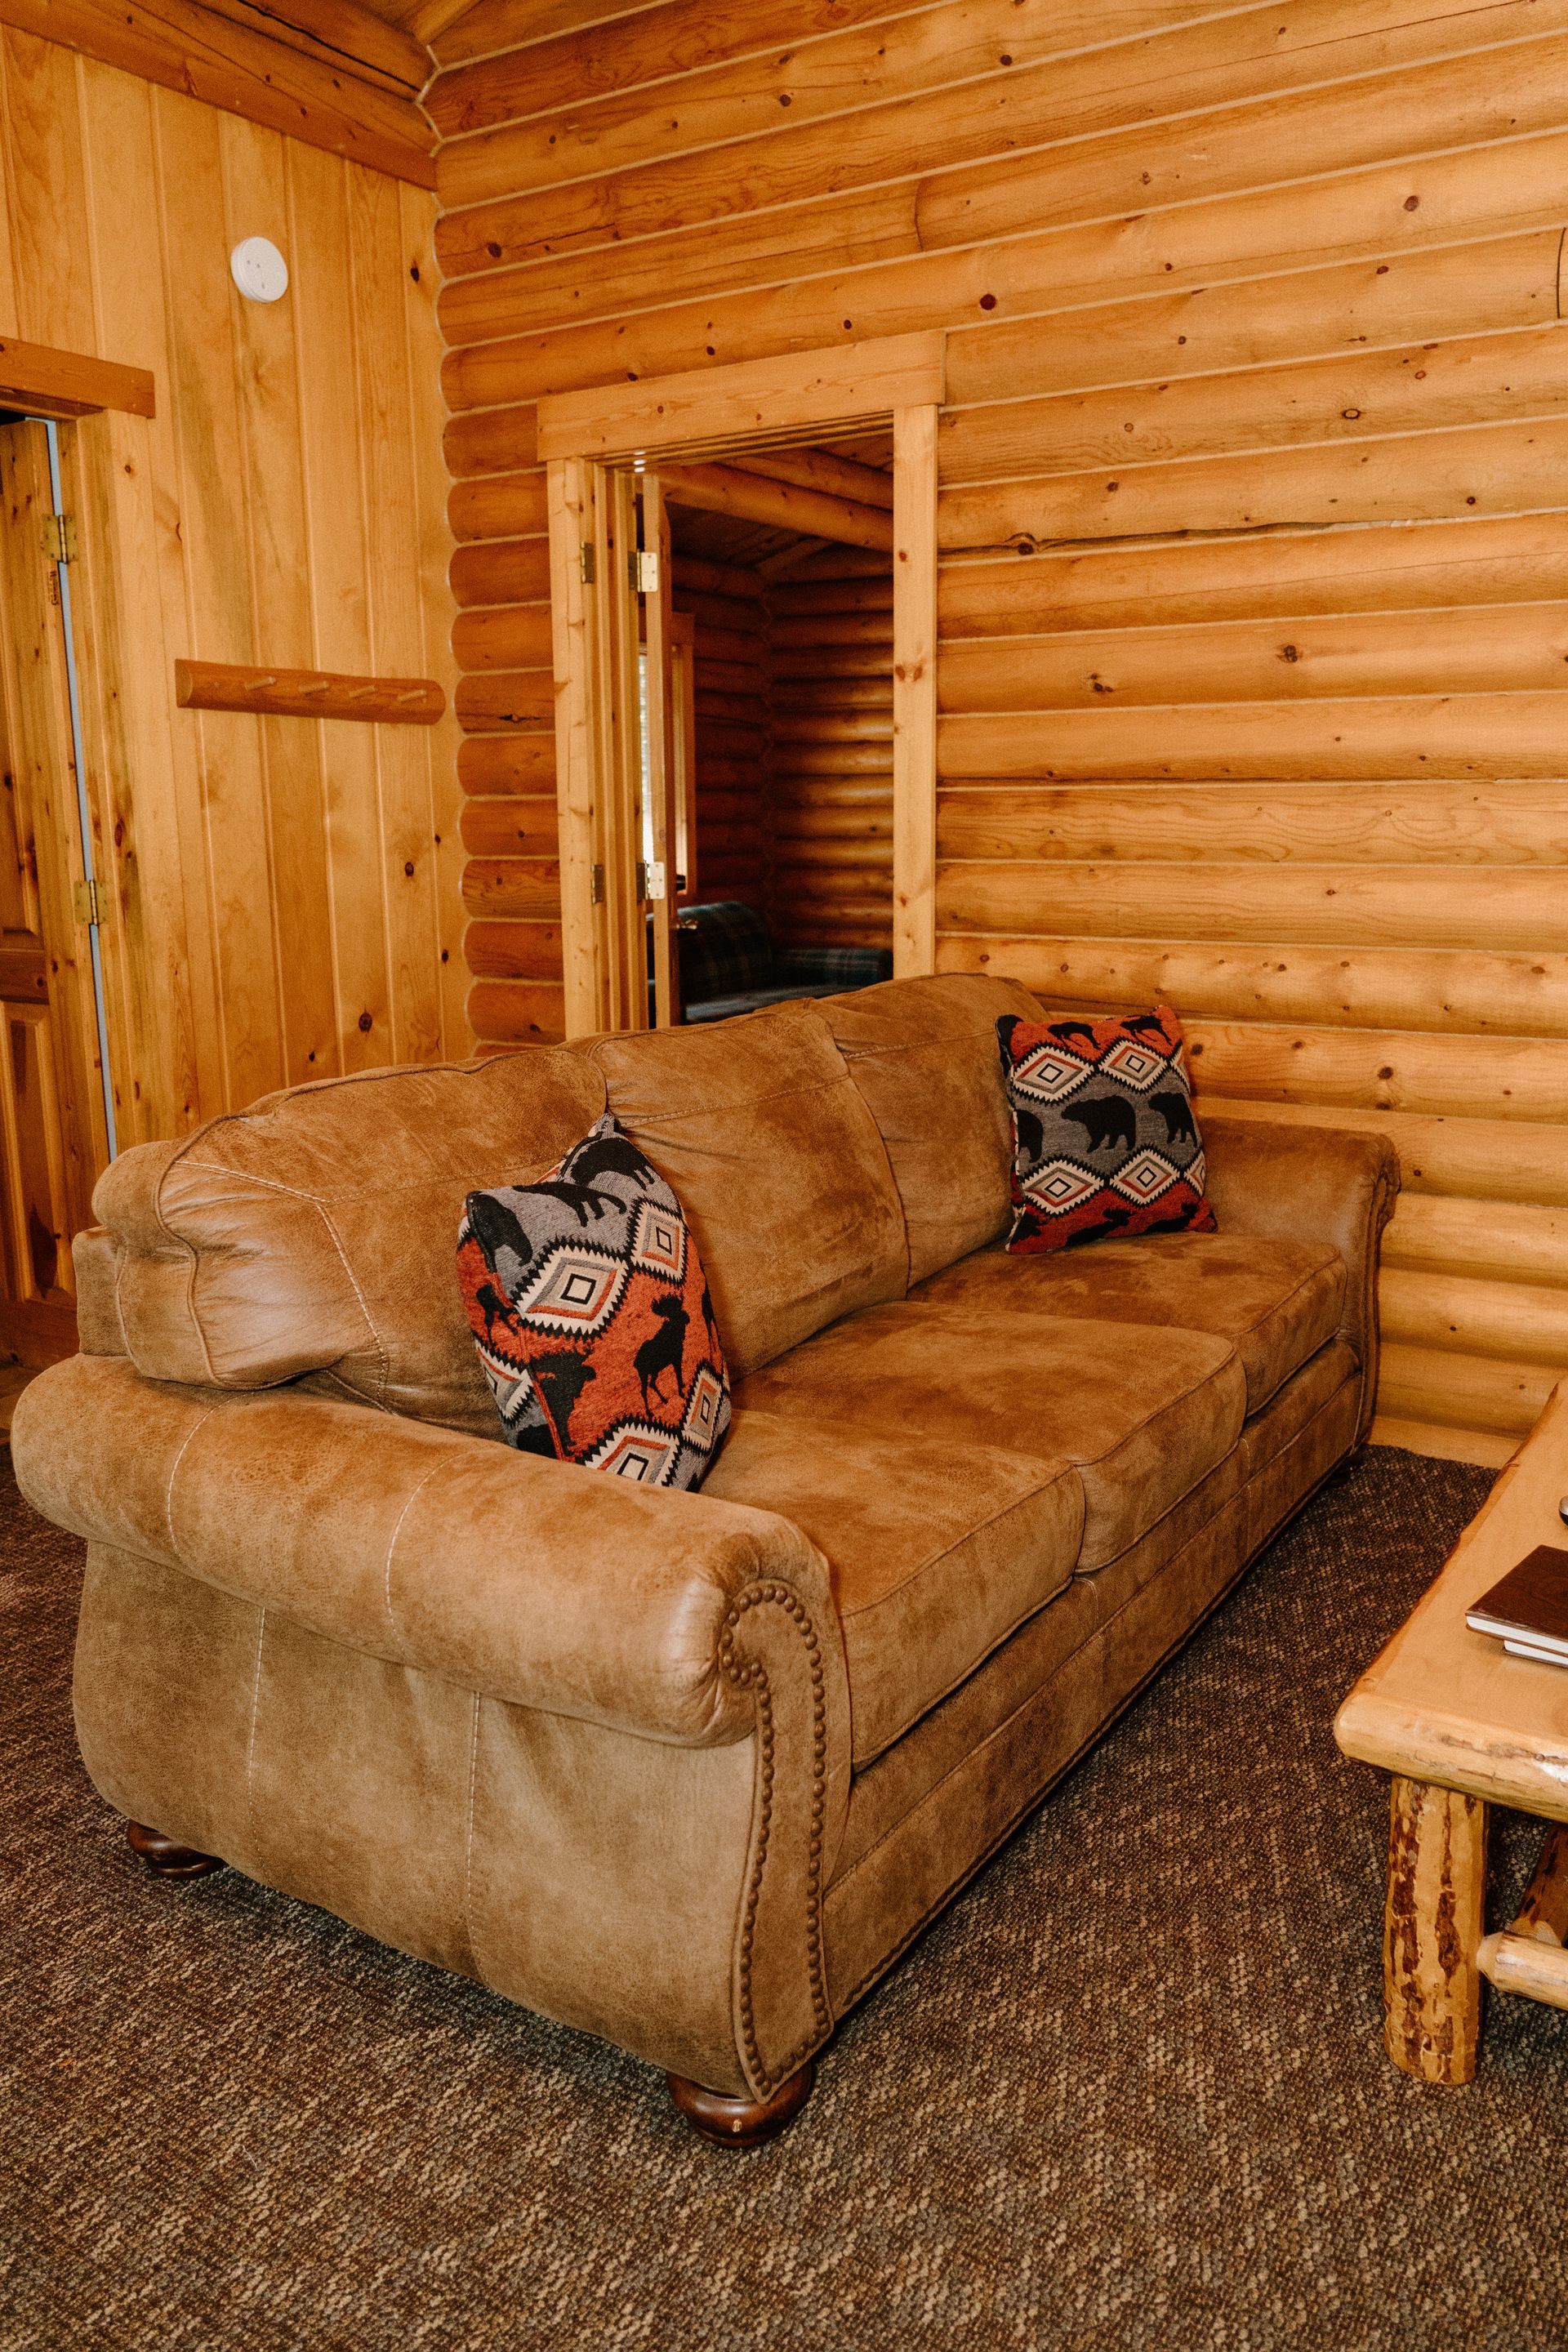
x: 762, y: 397
x: 914, y: 675
x: 1542, y: 1915
x: 1432, y: 1931
x: 1484, y: 1448
x: 242, y: 70
x: 1441, y: 1700
x: 733, y: 806
x: 1106, y: 95
x: 862, y: 259
x: 1519, y: 1964
x: 276, y: 909
x: 1443, y: 1386
x: 341, y: 34
x: 70, y: 383
x: 1278, y: 575
x: 1436, y: 990
x: 1254, y: 557
x: 786, y: 506
x: 307, y: 693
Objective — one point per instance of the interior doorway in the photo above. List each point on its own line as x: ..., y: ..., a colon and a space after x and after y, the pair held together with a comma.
x: 743, y: 593
x: 782, y: 585
x: 57, y: 1129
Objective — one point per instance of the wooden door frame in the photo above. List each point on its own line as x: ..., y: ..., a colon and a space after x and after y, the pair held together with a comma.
x: 587, y: 440
x: 106, y: 412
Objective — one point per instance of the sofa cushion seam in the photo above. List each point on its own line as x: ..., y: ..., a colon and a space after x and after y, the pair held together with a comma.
x: 469, y: 1841
x: 250, y: 1743
x: 191, y: 1270
x: 392, y: 1625
x: 1094, y: 1634
x: 934, y: 1559
x: 1170, y: 1403
x: 195, y: 1431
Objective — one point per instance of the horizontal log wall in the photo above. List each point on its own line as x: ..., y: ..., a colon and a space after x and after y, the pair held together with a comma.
x: 731, y: 687
x: 1255, y: 597
x: 833, y: 759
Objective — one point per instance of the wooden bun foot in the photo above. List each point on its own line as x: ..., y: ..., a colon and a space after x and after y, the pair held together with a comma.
x: 741, y: 2123
x: 168, y: 1860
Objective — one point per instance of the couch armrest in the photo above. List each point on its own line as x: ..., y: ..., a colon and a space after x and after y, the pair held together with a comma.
x: 521, y: 1579
x: 1292, y: 1182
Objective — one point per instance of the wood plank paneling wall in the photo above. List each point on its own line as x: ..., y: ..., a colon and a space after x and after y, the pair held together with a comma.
x: 1255, y: 599
x: 284, y: 895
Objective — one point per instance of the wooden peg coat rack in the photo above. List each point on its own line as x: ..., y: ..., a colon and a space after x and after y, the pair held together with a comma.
x: 308, y: 694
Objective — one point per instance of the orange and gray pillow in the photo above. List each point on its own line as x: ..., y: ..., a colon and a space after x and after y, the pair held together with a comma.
x: 1105, y: 1144
x: 592, y: 1319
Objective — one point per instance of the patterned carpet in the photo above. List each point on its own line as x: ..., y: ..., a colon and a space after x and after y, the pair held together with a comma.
x: 1130, y: 2093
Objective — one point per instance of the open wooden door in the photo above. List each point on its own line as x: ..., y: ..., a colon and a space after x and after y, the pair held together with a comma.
x: 598, y: 623
x: 663, y: 775
x: 53, y: 1131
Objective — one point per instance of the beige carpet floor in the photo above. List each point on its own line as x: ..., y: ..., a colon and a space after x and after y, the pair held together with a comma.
x: 1128, y: 2093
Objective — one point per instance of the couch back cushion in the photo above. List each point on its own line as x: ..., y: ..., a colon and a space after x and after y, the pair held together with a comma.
x: 923, y: 1054
x: 761, y: 1133
x: 314, y: 1232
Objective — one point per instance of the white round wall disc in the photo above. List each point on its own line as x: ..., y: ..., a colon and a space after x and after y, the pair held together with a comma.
x: 258, y: 269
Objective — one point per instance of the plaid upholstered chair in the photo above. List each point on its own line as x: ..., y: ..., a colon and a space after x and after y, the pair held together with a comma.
x: 731, y: 964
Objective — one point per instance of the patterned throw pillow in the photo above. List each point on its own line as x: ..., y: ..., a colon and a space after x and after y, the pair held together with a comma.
x: 592, y: 1315
x: 1104, y: 1142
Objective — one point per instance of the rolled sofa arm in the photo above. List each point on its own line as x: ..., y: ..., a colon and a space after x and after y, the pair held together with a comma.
x: 521, y: 1579
x: 1290, y: 1182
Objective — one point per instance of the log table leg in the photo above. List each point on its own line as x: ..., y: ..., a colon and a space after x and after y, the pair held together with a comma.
x: 1432, y: 1931
x: 1543, y: 1913
x: 1529, y: 1956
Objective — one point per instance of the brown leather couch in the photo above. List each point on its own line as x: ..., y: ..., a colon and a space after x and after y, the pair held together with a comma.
x: 687, y: 1770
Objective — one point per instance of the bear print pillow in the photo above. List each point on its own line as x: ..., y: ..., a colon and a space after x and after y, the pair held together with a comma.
x: 592, y: 1316
x: 1104, y: 1142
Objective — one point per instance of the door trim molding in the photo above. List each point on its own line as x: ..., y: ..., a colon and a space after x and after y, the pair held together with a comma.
x: 749, y: 401
x: 592, y: 442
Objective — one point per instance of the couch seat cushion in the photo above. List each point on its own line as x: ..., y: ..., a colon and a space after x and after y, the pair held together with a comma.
x: 1277, y: 1302
x: 1143, y: 1415
x: 937, y: 1554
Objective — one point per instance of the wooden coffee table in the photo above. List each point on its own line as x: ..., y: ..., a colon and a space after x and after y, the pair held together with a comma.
x: 1462, y: 1726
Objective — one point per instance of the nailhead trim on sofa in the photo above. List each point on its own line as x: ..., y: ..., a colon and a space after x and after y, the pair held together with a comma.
x: 754, y: 1672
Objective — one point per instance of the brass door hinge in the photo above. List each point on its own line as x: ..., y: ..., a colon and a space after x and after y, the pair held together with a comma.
x: 650, y: 879
x: 589, y: 563
x: 59, y: 538
x: 89, y: 906
x: 598, y: 886
x: 642, y: 565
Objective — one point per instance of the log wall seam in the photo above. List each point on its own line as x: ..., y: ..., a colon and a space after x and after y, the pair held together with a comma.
x: 1270, y: 717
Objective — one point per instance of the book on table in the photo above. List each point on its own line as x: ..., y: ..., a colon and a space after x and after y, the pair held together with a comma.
x: 1527, y: 1610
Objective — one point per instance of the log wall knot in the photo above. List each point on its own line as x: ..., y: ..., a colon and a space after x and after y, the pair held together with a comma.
x: 750, y: 1673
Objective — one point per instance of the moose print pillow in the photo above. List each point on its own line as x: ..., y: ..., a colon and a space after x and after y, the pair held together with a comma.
x: 1104, y: 1142
x: 592, y: 1315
